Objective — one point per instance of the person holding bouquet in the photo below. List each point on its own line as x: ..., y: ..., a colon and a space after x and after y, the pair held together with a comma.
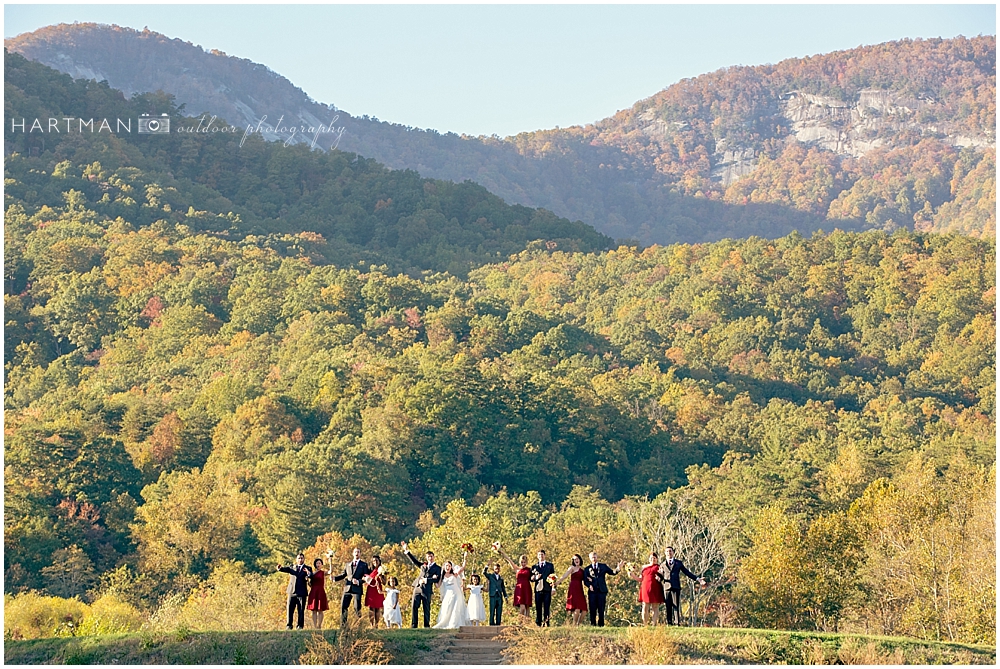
x: 650, y: 588
x: 522, y: 582
x: 375, y: 595
x: 540, y: 574
x: 576, y: 601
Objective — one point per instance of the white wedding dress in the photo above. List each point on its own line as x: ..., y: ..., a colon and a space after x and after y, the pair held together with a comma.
x: 454, y: 612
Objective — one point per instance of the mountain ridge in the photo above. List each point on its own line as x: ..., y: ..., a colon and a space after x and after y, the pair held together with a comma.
x: 624, y: 174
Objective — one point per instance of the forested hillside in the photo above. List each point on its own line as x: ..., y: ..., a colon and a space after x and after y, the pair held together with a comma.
x: 207, y: 369
x: 340, y: 207
x: 900, y: 134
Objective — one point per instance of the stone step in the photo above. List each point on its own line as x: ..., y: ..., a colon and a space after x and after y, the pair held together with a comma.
x: 473, y: 657
x: 482, y: 629
x: 469, y: 662
x: 481, y: 652
x: 478, y: 643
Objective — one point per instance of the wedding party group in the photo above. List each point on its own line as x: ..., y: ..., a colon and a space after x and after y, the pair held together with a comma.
x: 659, y: 584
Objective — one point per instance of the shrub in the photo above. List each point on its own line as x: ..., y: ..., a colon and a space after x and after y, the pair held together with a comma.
x: 230, y: 600
x: 30, y: 615
x: 110, y: 615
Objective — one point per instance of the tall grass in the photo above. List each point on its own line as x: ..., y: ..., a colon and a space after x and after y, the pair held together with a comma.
x: 354, y: 644
x: 664, y: 646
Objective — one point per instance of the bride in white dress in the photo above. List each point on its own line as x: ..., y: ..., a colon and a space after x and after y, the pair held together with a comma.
x: 454, y: 612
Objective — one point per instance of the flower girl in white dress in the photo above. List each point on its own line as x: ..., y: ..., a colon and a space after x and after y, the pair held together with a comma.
x: 477, y: 612
x: 391, y: 613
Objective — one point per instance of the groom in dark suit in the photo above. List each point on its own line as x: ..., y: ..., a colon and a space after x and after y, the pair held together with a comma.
x: 298, y: 589
x: 354, y: 572
x: 497, y: 592
x: 597, y: 588
x: 423, y: 587
x: 672, y: 568
x: 543, y: 589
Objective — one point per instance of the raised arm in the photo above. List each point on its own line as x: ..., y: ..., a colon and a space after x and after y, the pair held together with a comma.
x: 565, y: 575
x: 506, y: 557
x: 407, y: 553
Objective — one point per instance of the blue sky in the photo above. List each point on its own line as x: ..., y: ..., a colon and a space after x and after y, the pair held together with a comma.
x: 503, y: 69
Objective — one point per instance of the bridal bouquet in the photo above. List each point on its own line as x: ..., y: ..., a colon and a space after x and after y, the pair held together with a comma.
x: 381, y: 570
x: 495, y: 546
x: 551, y: 579
x: 467, y: 547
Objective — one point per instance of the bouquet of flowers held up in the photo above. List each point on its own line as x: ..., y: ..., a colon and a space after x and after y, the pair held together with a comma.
x: 495, y: 546
x: 467, y: 547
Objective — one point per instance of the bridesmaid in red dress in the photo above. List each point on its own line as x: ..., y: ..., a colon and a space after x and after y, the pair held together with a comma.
x: 523, y: 593
x: 375, y: 595
x: 316, y: 602
x: 576, y: 600
x: 650, y: 589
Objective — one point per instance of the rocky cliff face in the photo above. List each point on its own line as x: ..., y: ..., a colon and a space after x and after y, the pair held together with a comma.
x: 875, y: 118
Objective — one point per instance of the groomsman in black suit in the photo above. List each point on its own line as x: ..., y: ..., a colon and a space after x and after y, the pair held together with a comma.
x: 543, y: 589
x: 497, y: 592
x: 423, y: 587
x: 672, y: 568
x: 298, y: 589
x: 354, y: 572
x: 597, y: 588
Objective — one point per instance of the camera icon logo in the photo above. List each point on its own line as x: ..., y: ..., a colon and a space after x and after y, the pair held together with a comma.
x: 152, y: 125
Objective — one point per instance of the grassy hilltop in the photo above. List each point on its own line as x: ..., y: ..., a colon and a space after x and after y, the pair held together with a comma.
x: 556, y: 646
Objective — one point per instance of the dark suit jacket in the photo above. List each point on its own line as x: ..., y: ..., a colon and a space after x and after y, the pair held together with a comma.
x: 539, y: 573
x: 593, y: 577
x: 351, y: 573
x: 496, y: 585
x: 298, y: 579
x: 431, y: 572
x: 672, y: 574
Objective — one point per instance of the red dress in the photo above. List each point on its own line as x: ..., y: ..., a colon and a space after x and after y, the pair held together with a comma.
x: 317, y: 593
x: 375, y: 595
x: 575, y: 599
x: 650, y: 589
x: 522, y: 588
